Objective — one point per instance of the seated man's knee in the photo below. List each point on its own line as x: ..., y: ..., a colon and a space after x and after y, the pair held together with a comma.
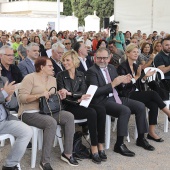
x: 125, y: 110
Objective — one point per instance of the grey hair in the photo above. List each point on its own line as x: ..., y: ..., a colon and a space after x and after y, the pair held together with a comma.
x: 67, y: 40
x: 30, y: 45
x: 56, y: 45
x: 4, y: 47
x: 54, y: 37
x: 103, y: 49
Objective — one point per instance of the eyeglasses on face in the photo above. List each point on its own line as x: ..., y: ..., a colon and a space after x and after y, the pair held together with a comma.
x: 9, y: 55
x: 67, y: 43
x: 102, y: 58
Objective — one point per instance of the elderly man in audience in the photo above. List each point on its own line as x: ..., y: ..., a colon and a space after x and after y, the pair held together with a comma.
x: 106, y: 78
x: 162, y: 59
x: 57, y: 52
x: 9, y: 70
x: 9, y: 124
x: 27, y: 66
x: 53, y: 39
x: 85, y: 60
x: 67, y: 44
x: 43, y: 39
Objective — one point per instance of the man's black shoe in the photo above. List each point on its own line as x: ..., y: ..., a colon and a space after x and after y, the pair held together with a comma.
x: 144, y: 144
x: 102, y: 155
x: 10, y: 168
x: 96, y: 158
x: 29, y: 146
x: 123, y: 150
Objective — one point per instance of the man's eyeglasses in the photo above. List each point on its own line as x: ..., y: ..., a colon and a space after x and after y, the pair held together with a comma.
x: 67, y: 43
x: 60, y: 53
x: 9, y: 55
x: 102, y: 58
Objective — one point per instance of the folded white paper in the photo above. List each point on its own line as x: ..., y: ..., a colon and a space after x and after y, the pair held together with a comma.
x: 49, y: 53
x: 91, y: 90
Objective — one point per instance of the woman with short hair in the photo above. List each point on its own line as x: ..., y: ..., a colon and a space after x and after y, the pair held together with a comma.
x: 71, y: 82
x: 34, y: 86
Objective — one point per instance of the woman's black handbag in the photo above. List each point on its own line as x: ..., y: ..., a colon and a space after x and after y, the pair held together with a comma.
x: 50, y: 106
x: 80, y: 151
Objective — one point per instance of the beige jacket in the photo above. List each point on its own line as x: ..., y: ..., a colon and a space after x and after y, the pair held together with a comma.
x: 33, y: 84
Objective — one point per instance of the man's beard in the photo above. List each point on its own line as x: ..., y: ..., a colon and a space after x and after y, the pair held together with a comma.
x: 166, y: 51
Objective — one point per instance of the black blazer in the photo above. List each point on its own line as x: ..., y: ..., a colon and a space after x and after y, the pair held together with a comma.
x: 89, y: 63
x: 15, y: 72
x: 57, y: 69
x: 124, y: 69
x: 94, y: 76
x: 78, y: 89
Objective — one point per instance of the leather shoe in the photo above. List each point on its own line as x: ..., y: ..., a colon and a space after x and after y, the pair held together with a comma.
x: 10, y: 168
x: 102, y: 155
x: 156, y: 140
x: 71, y: 161
x: 96, y: 158
x: 123, y: 150
x: 144, y: 144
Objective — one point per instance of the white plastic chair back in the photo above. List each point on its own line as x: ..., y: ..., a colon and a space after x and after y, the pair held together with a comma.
x: 153, y: 77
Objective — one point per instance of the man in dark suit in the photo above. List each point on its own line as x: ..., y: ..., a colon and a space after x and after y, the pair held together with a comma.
x: 106, y: 78
x: 9, y: 124
x: 57, y: 52
x: 85, y: 63
x: 27, y: 66
x: 85, y: 60
x: 9, y: 70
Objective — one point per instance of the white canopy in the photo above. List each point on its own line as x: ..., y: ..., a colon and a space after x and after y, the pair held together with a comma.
x: 145, y: 15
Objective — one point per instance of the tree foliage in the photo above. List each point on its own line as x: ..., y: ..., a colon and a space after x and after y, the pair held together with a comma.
x: 82, y: 8
x: 67, y: 8
x: 103, y: 8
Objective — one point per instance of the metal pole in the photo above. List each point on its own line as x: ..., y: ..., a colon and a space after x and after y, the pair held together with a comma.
x: 58, y: 15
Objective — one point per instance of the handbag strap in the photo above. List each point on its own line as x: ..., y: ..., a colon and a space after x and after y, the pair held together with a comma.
x: 53, y: 88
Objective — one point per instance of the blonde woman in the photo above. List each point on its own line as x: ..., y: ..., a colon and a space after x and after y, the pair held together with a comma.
x: 135, y: 90
x: 71, y: 82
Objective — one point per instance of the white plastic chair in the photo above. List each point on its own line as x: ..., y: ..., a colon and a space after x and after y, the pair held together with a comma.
x: 108, y: 131
x: 3, y: 137
x: 167, y: 102
x: 36, y: 138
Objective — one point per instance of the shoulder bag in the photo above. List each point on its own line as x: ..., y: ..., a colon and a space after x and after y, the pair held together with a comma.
x: 50, y: 106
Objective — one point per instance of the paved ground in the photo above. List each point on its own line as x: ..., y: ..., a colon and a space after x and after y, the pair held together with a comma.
x: 144, y: 160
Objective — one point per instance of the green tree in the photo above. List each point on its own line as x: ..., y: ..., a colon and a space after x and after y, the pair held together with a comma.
x: 103, y: 8
x: 82, y: 8
x: 67, y: 8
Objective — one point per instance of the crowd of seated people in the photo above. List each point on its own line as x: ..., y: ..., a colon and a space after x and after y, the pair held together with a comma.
x: 77, y: 60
